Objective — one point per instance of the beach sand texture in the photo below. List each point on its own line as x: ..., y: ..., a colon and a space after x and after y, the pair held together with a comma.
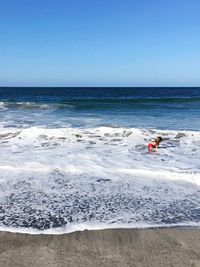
x: 116, y: 247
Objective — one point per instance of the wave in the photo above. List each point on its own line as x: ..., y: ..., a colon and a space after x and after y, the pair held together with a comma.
x: 95, y: 103
x: 179, y: 149
x: 68, y: 179
x: 27, y: 105
x: 64, y: 202
x: 134, y: 99
x: 76, y: 227
x: 135, y: 134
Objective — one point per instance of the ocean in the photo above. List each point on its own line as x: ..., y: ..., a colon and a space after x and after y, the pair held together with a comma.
x: 77, y: 158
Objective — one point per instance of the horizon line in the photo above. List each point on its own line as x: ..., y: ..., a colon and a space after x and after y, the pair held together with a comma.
x: 99, y: 86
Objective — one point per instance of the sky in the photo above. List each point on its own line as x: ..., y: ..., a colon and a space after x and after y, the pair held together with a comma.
x: 99, y: 43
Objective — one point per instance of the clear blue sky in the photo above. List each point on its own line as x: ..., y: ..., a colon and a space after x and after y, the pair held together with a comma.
x: 99, y: 43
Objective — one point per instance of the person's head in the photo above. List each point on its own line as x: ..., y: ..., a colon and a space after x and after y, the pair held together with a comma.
x: 159, y: 139
x: 153, y: 141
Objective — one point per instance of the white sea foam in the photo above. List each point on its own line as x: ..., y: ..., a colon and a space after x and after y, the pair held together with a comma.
x: 92, y: 227
x: 103, y: 147
x: 66, y: 179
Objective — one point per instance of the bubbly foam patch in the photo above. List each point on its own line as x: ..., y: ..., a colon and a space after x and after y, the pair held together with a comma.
x: 67, y: 177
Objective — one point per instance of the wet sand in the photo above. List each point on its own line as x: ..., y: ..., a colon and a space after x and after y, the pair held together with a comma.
x: 116, y: 248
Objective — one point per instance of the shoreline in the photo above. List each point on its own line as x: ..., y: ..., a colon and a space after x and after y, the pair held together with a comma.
x: 90, y: 227
x: 157, y: 247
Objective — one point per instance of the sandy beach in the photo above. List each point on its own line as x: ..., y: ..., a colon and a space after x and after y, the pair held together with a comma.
x: 117, y: 247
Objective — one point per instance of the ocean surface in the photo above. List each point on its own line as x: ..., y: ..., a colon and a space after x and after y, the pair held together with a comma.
x: 76, y: 158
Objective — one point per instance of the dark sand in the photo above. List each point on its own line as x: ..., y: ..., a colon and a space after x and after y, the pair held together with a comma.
x: 151, y: 247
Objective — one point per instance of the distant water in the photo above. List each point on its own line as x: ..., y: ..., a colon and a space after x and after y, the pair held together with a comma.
x: 76, y: 158
x: 161, y: 108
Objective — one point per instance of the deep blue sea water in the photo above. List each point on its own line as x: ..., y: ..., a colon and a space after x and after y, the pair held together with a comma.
x: 162, y: 108
x: 76, y: 158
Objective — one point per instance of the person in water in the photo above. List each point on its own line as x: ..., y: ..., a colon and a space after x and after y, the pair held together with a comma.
x: 154, y: 144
